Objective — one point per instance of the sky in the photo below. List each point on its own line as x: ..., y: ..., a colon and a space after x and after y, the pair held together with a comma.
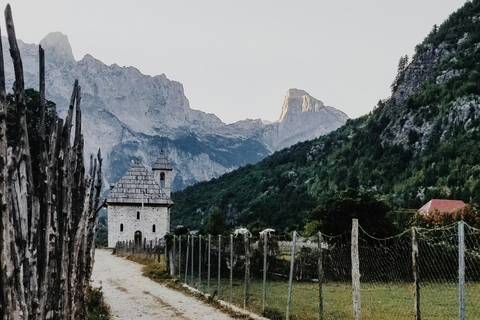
x: 238, y: 59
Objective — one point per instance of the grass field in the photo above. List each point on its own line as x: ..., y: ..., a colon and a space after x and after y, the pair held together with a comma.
x: 379, y: 301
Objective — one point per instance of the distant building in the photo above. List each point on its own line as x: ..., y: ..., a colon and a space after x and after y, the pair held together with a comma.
x: 139, y: 204
x: 441, y: 206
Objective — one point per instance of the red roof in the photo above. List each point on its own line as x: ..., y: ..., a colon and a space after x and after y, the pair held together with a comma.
x: 441, y: 205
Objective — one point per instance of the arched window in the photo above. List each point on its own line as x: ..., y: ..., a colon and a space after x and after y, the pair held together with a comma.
x: 138, y: 214
x: 121, y: 227
x: 153, y: 228
x: 162, y: 179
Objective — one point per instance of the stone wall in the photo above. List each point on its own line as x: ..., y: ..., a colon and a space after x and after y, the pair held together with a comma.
x: 134, y: 218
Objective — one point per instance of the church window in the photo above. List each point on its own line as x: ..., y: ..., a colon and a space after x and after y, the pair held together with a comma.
x: 162, y: 179
x: 121, y: 227
x: 138, y: 214
x: 153, y: 228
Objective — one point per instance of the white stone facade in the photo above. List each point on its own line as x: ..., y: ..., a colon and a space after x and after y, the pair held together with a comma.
x: 125, y: 221
x: 139, y: 204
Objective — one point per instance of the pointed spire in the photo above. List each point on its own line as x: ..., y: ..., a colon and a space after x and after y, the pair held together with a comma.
x: 162, y: 162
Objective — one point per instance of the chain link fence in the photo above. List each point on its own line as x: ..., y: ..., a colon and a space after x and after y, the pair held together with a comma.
x: 419, y: 274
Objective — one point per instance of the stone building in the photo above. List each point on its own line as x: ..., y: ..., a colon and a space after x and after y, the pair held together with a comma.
x: 139, y: 204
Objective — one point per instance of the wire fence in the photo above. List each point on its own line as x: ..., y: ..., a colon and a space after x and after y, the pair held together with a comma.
x: 419, y: 274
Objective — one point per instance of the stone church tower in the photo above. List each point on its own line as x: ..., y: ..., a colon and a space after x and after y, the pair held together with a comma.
x: 139, y: 204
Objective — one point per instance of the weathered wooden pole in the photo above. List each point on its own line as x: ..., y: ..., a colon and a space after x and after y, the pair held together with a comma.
x: 180, y: 256
x: 199, y: 262
x: 231, y: 267
x: 265, y: 254
x: 219, y: 264
x: 290, y: 278
x: 461, y: 270
x: 192, y: 262
x: 246, y: 240
x: 186, y: 258
x: 355, y: 271
x: 416, y: 281
x: 209, y: 262
x: 320, y: 277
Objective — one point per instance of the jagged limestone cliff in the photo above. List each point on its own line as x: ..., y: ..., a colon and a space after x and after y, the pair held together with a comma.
x: 130, y: 115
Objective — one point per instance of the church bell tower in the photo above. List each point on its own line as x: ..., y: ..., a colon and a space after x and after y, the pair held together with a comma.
x: 162, y: 172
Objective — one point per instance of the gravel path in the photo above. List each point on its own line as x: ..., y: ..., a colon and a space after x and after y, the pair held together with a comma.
x: 133, y: 296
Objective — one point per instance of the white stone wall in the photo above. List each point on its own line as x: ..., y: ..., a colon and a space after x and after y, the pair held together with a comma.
x: 149, y: 216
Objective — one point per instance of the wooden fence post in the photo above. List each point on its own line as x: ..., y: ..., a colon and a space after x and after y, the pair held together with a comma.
x: 265, y: 253
x: 219, y: 263
x: 186, y: 258
x: 247, y: 270
x: 180, y: 257
x: 290, y: 279
x: 461, y: 270
x: 209, y: 262
x: 174, y: 256
x: 231, y: 267
x: 355, y: 271
x: 193, y: 247
x: 320, y: 277
x: 416, y: 282
x: 199, y: 262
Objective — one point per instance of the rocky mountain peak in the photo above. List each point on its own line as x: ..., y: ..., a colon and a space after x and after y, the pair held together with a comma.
x: 297, y: 102
x: 58, y: 42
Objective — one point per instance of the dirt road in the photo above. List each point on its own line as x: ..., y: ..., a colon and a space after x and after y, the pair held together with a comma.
x: 132, y: 296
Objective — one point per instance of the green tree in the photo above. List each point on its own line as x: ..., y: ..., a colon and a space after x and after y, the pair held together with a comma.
x: 216, y: 223
x: 402, y: 67
x: 335, y: 214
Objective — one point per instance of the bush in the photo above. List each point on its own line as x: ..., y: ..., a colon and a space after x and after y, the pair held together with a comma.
x: 95, y: 305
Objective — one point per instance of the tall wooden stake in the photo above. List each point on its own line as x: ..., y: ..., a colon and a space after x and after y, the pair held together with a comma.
x: 265, y: 254
x: 416, y: 282
x: 219, y: 263
x: 356, y: 271
x: 290, y: 279
x: 320, y: 277
x: 461, y: 270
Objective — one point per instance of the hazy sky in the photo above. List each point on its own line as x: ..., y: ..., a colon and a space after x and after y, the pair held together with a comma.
x: 237, y: 59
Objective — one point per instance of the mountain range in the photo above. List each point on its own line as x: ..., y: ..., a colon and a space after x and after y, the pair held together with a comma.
x: 422, y: 142
x: 129, y: 115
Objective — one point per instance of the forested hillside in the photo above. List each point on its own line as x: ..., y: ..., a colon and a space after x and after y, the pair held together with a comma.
x: 421, y: 143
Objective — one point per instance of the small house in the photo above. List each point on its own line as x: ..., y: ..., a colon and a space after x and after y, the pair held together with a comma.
x: 441, y: 206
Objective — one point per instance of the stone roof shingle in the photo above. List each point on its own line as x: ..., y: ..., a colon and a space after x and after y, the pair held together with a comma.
x: 138, y: 186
